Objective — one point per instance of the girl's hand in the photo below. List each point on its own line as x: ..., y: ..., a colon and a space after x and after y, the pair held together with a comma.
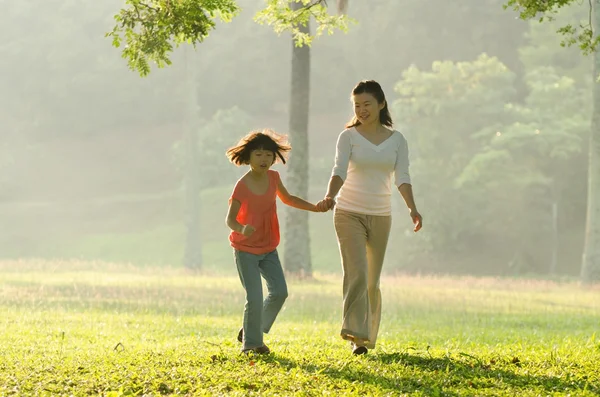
x: 320, y: 207
x: 247, y: 230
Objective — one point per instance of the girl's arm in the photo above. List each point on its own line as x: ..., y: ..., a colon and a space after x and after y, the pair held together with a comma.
x: 234, y: 208
x: 293, y: 201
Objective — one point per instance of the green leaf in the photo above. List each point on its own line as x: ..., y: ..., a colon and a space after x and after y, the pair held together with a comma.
x: 151, y: 29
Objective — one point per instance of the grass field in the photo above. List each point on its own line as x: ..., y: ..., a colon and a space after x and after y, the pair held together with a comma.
x: 80, y: 328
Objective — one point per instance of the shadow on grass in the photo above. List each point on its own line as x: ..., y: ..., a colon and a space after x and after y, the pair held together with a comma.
x: 436, y: 376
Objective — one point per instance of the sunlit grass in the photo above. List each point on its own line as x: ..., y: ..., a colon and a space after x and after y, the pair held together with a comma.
x: 79, y: 328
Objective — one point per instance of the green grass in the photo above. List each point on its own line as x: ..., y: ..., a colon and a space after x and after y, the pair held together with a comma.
x: 81, y: 328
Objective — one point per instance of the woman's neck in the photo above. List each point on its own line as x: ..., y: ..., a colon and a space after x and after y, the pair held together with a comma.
x: 371, y: 128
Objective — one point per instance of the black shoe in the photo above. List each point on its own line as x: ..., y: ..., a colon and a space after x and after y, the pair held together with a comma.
x: 240, y: 337
x: 358, y: 350
x: 264, y: 349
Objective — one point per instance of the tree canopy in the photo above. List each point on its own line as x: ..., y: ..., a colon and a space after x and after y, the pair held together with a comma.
x: 580, y: 33
x: 152, y: 29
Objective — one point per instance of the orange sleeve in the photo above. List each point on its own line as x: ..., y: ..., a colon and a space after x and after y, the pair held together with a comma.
x: 239, y: 193
x: 276, y: 178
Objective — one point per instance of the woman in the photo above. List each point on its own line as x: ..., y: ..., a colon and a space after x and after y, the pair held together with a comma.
x: 369, y: 153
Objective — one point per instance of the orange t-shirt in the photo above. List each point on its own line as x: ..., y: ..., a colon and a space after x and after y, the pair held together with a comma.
x: 259, y: 211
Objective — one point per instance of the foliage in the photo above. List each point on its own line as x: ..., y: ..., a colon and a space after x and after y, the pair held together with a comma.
x: 152, y: 29
x: 489, y: 168
x: 444, y: 114
x: 54, y: 91
x: 581, y: 34
x: 284, y: 18
x: 542, y: 48
x: 78, y: 328
x: 530, y: 156
x: 70, y: 90
x: 77, y: 96
x: 549, y: 127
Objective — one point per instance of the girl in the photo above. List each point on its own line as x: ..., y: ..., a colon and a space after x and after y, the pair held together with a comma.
x: 370, y: 156
x: 252, y: 218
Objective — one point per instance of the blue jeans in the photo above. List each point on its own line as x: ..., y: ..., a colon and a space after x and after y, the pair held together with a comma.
x: 259, y: 316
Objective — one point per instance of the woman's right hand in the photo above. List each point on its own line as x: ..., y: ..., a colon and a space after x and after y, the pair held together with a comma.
x: 247, y: 230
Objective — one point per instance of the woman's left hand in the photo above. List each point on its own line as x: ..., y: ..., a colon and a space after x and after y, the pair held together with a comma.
x: 417, y: 220
x: 326, y: 204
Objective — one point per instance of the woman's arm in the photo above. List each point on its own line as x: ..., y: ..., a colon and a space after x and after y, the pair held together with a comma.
x: 402, y: 179
x: 343, y: 151
x: 407, y: 194
x: 335, y: 184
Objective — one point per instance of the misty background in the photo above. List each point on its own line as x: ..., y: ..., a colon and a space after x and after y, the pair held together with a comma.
x: 495, y: 111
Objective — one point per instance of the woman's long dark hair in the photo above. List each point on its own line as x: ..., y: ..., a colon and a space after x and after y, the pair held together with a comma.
x: 372, y: 87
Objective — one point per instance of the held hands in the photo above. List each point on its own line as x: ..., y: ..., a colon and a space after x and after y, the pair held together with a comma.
x: 325, y: 205
x: 247, y: 230
x: 417, y: 220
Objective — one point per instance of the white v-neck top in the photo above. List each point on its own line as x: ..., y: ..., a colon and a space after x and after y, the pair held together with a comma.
x: 367, y: 171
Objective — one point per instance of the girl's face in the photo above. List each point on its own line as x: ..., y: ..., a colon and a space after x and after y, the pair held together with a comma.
x: 261, y: 160
x: 366, y: 108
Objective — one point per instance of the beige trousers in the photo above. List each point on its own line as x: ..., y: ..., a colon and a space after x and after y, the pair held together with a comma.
x: 362, y: 241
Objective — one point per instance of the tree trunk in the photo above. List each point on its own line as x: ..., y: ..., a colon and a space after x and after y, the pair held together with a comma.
x: 590, y: 269
x: 297, y: 256
x: 554, y: 259
x: 193, y: 245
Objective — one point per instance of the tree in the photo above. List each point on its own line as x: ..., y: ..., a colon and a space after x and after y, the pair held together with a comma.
x: 213, y: 137
x: 586, y: 38
x: 590, y: 271
x: 447, y: 116
x: 529, y: 156
x: 493, y: 171
x: 221, y: 132
x: 199, y: 156
x: 297, y: 255
x: 66, y: 89
x: 582, y: 35
x: 542, y: 47
x: 152, y: 29
x: 399, y: 34
x: 192, y: 258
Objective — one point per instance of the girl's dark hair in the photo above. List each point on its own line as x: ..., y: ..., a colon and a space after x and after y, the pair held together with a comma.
x: 372, y: 87
x: 259, y: 140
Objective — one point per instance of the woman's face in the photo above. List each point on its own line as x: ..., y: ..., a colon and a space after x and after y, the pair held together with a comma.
x: 366, y: 108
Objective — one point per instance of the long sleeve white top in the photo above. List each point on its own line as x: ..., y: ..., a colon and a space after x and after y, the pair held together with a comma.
x: 367, y: 171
